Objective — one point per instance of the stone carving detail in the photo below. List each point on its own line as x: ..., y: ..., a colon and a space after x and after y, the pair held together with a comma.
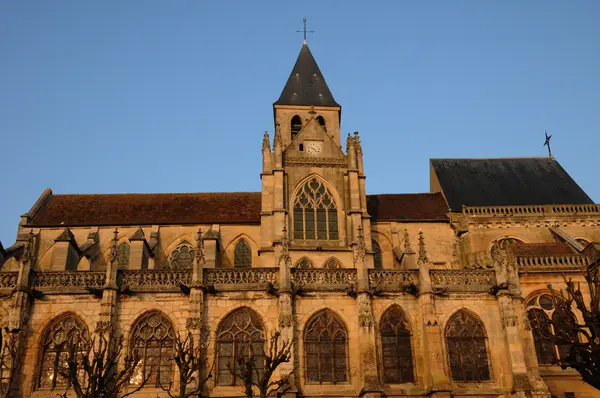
x: 407, y: 248
x: 422, y: 250
x: 8, y: 280
x: 253, y: 276
x: 306, y: 161
x: 67, y: 281
x: 324, y: 279
x: 284, y: 254
x: 265, y: 143
x: 359, y: 248
x: 365, y: 312
x: 391, y: 279
x: 463, y: 280
x: 114, y: 247
x: 151, y: 280
x: 286, y: 318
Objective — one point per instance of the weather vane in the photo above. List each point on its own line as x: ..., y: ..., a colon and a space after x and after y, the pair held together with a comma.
x: 305, y: 31
x: 547, y: 143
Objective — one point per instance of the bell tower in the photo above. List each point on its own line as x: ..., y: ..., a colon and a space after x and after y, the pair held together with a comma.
x: 312, y: 185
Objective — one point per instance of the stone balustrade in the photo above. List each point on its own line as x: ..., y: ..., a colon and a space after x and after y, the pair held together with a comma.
x: 68, y: 282
x: 550, y: 263
x: 392, y: 280
x: 168, y: 280
x: 323, y: 279
x: 463, y: 280
x: 241, y: 279
x: 8, y: 280
x: 533, y: 210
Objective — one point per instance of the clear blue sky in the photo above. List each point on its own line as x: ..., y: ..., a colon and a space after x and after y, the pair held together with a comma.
x: 157, y: 96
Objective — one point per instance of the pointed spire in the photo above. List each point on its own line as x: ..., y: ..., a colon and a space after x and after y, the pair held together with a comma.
x: 422, y: 251
x: 200, y: 259
x: 112, y: 256
x: 357, y: 142
x: 360, y: 248
x: 349, y: 143
x: 277, y: 138
x: 407, y: 248
x: 266, y: 144
x: 284, y: 254
x: 306, y: 85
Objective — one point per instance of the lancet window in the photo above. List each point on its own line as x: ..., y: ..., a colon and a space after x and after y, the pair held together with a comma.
x: 242, y: 256
x: 396, y: 347
x: 332, y: 263
x: 295, y: 126
x: 303, y: 263
x: 182, y: 256
x: 321, y: 121
x: 325, y: 341
x: 377, y: 255
x: 315, y: 212
x: 540, y: 310
x: 59, y: 335
x: 123, y: 255
x: 153, y: 338
x: 467, y: 349
x: 240, y: 335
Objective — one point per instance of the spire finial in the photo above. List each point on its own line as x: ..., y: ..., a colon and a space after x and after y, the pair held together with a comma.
x: 547, y: 143
x: 305, y: 31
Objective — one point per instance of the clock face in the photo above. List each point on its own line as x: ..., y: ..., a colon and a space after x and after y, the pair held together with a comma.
x: 313, y: 148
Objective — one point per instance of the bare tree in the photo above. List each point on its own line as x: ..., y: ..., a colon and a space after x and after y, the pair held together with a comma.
x: 578, y: 343
x: 9, y: 352
x: 92, y: 367
x: 256, y: 370
x: 193, y: 365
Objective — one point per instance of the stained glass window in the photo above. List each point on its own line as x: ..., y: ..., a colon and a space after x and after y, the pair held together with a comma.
x: 466, y: 340
x: 242, y: 255
x: 315, y: 212
x: 325, y: 340
x: 377, y: 255
x: 153, y: 337
x: 182, y: 256
x: 123, y: 255
x: 396, y: 347
x: 295, y: 126
x: 332, y: 263
x: 303, y: 263
x: 59, y: 334
x: 240, y: 335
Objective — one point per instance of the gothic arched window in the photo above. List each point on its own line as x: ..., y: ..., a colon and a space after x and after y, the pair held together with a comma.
x: 325, y: 340
x: 59, y: 335
x: 540, y: 310
x: 315, y: 212
x: 466, y: 340
x: 123, y: 255
x: 377, y: 255
x: 295, y: 126
x: 182, y: 256
x: 242, y: 256
x: 303, y: 263
x: 396, y: 347
x: 153, y: 338
x: 332, y: 263
x: 241, y: 333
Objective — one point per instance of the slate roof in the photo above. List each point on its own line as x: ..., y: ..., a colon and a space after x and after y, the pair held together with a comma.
x: 503, y: 182
x: 306, y: 84
x: 407, y: 207
x: 205, y: 208
x: 542, y: 249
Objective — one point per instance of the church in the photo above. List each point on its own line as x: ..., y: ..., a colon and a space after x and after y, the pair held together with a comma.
x: 384, y: 295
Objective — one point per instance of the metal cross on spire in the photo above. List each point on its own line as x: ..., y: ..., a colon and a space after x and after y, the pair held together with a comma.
x: 547, y: 143
x: 305, y: 31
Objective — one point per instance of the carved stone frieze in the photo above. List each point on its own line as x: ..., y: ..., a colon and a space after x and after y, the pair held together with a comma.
x: 463, y: 280
x: 324, y: 279
x: 68, y: 281
x: 391, y: 280
x: 310, y: 161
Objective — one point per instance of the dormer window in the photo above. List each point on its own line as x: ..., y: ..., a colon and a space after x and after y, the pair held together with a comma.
x: 296, y: 126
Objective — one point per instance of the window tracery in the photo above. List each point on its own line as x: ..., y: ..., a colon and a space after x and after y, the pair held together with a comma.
x: 503, y: 244
x: 325, y: 340
x: 242, y: 257
x: 123, y: 255
x: 303, y: 263
x: 377, y: 255
x: 240, y: 334
x: 540, y: 310
x: 153, y: 338
x: 61, y: 332
x: 315, y: 212
x: 466, y: 341
x: 182, y: 256
x: 332, y: 263
x: 396, y: 347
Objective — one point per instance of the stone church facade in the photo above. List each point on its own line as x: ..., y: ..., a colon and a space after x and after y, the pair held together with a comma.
x: 394, y: 294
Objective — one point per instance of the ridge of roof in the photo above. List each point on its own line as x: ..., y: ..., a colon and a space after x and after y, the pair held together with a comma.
x: 306, y: 84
